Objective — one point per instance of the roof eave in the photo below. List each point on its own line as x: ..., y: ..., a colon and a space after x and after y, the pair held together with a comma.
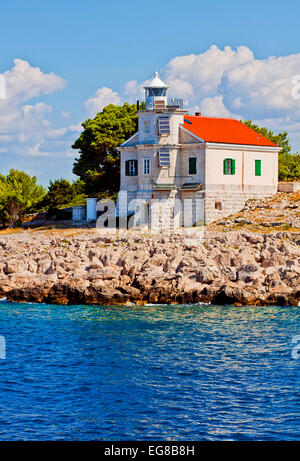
x: 235, y: 146
x: 129, y: 139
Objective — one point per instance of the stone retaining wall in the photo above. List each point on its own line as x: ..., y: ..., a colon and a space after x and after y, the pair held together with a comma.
x: 222, y: 204
x: 288, y: 187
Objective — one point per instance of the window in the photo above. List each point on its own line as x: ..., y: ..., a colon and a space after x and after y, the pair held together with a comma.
x: 146, y: 166
x: 229, y: 166
x: 218, y: 206
x: 164, y: 125
x: 150, y: 92
x: 131, y: 167
x: 164, y: 157
x: 257, y: 167
x: 147, y: 127
x: 192, y: 165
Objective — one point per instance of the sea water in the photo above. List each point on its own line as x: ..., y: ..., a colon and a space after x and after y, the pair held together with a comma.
x: 149, y: 373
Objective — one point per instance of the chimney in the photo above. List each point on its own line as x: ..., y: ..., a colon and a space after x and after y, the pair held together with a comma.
x: 198, y: 114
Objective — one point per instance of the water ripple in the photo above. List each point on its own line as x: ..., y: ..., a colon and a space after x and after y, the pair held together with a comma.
x: 149, y: 373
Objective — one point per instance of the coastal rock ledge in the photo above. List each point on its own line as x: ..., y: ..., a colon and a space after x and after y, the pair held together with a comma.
x: 101, y: 267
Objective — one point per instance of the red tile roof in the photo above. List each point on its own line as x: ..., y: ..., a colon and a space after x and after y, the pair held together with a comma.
x: 224, y: 130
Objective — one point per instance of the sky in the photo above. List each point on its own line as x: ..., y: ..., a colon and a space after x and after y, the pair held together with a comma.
x: 63, y: 61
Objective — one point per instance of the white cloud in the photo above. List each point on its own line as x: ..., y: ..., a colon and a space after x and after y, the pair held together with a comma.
x: 34, y: 151
x: 26, y: 132
x: 77, y: 127
x: 24, y: 82
x: 100, y: 99
x: 132, y: 87
x: 213, y: 107
x: 5, y: 138
x: 59, y: 133
x: 134, y: 90
x: 54, y: 134
x: 234, y: 83
x: 203, y: 73
x: 228, y: 82
x: 225, y: 83
x: 263, y: 88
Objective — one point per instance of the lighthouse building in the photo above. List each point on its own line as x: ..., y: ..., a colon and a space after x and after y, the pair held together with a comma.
x: 190, y: 169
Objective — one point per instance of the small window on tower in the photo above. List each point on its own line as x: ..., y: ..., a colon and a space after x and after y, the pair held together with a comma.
x: 146, y: 166
x: 164, y: 157
x: 131, y: 167
x: 147, y: 127
x: 192, y: 165
x: 164, y: 125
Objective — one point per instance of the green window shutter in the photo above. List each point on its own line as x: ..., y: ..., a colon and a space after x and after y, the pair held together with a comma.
x: 136, y: 167
x: 257, y: 167
x: 192, y: 165
x: 232, y: 166
x: 226, y: 166
x: 229, y: 166
x: 127, y: 168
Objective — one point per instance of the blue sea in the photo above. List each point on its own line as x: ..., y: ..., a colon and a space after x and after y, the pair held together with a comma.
x: 149, y: 373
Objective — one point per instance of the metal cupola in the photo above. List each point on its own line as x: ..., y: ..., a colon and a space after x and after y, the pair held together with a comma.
x: 156, y: 93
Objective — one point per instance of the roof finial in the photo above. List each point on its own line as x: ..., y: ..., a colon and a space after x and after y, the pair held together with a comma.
x: 156, y: 82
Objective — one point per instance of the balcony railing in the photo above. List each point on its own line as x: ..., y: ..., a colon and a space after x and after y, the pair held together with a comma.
x: 171, y: 102
x: 175, y: 102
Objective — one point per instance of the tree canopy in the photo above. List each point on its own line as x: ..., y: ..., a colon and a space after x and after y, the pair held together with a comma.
x: 19, y: 193
x: 60, y: 192
x: 289, y: 167
x: 281, y: 139
x: 98, y: 165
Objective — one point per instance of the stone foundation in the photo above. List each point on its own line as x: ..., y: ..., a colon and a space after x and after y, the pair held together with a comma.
x: 222, y: 204
x: 170, y: 209
x: 288, y: 187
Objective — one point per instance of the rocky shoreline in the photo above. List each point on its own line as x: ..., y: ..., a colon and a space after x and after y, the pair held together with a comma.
x: 100, y: 267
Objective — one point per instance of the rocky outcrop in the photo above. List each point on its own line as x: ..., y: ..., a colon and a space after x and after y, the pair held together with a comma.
x: 100, y: 267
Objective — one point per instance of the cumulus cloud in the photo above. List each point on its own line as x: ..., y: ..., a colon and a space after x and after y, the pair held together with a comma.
x: 226, y: 83
x: 134, y: 88
x: 229, y: 82
x: 200, y: 75
x: 100, y: 99
x: 55, y: 134
x: 213, y: 106
x: 263, y: 88
x: 24, y: 82
x: 25, y: 120
x: 77, y: 127
x: 34, y: 151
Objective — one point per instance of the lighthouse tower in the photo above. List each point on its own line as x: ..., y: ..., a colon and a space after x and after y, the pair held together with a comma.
x: 156, y: 93
x: 150, y: 159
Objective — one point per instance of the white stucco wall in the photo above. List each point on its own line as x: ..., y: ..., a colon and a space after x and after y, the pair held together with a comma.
x: 244, y: 177
x: 198, y: 152
x: 176, y: 118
